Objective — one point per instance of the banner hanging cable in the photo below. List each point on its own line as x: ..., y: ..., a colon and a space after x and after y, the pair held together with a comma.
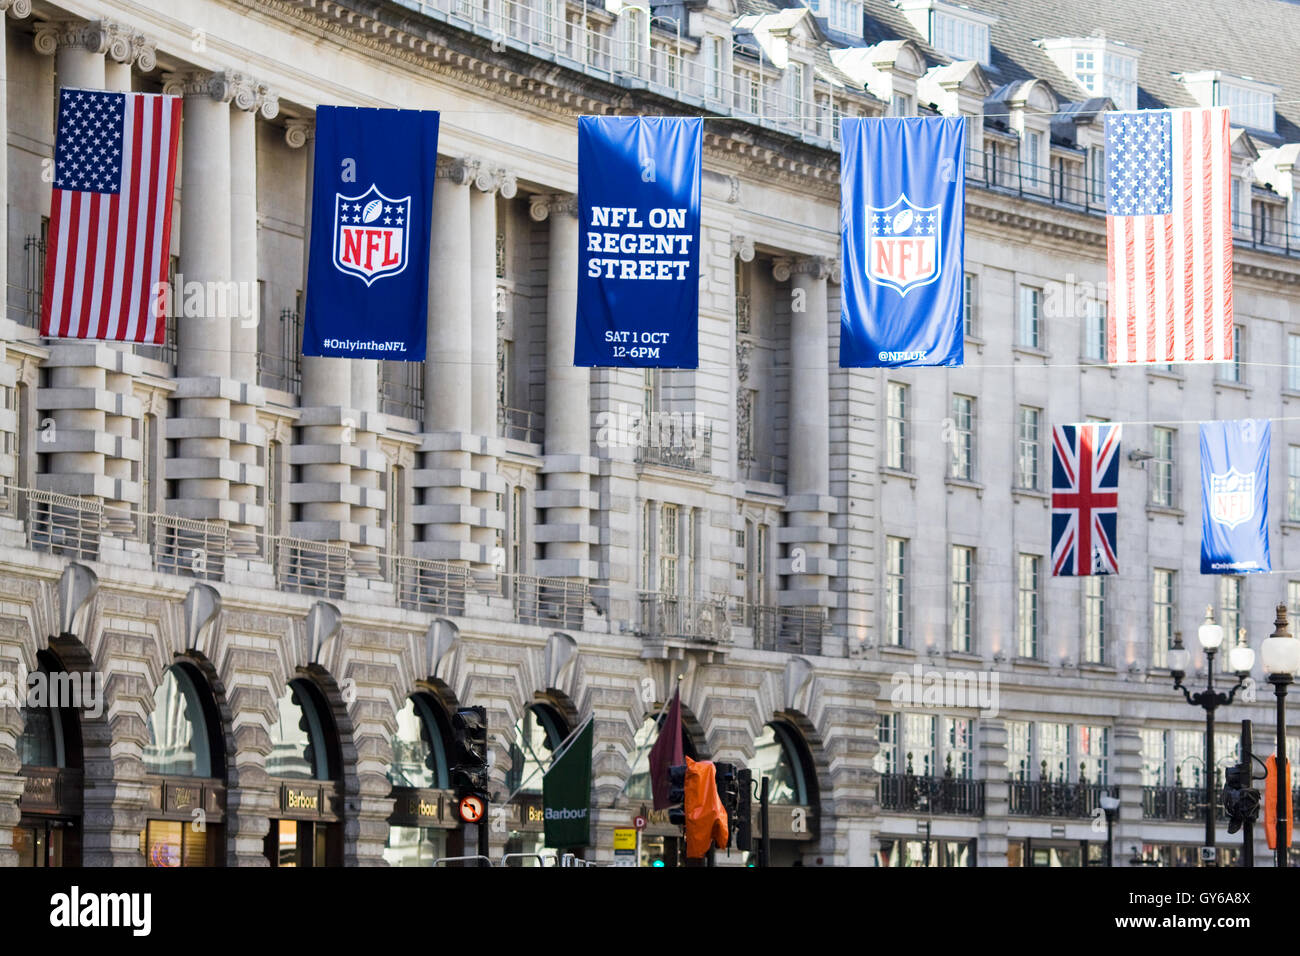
x: 647, y: 744
x: 559, y: 752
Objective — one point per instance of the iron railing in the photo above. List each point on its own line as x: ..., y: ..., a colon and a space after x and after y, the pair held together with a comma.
x: 675, y: 441
x: 793, y: 630
x: 946, y: 795
x: 185, y: 546
x: 549, y: 602
x: 684, y: 617
x: 520, y: 424
x: 1177, y: 803
x: 1055, y: 798
x: 401, y: 389
x: 63, y: 524
x: 279, y: 356
x: 309, y: 567
x: 424, y: 584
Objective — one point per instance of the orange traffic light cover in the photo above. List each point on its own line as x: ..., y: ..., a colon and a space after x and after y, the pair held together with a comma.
x: 706, y: 819
x: 1270, y: 804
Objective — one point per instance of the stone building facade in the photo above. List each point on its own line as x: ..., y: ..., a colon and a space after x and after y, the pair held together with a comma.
x: 496, y: 527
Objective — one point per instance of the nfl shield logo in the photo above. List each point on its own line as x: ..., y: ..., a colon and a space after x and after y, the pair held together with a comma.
x: 1232, y: 498
x: 904, y: 245
x: 370, y: 233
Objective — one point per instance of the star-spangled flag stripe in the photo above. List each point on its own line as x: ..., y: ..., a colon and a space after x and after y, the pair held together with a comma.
x: 1085, y: 499
x: 1169, y: 236
x: 110, y: 215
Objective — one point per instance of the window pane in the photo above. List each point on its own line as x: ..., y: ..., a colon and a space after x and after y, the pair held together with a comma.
x: 1028, y: 606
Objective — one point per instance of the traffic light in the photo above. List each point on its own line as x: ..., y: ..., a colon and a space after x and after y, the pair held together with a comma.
x: 728, y: 793
x: 469, y: 771
x: 1240, y: 800
x: 677, y: 795
x: 1270, y: 804
x: 742, y: 822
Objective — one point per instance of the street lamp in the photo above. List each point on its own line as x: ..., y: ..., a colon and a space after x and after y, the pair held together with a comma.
x: 1110, y: 805
x: 1241, y: 659
x: 1280, y: 655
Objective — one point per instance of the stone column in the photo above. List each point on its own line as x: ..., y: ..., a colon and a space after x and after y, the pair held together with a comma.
x: 216, y: 478
x: 251, y: 99
x: 1126, y: 774
x: 445, y: 514
x: 808, y: 535
x: 483, y: 350
x: 991, y: 767
x: 567, y: 464
x: 19, y: 10
x: 90, y: 450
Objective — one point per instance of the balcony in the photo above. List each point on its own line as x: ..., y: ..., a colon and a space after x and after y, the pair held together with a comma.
x: 1056, y: 798
x: 520, y: 424
x: 793, y: 630
x: 549, y: 602
x: 1178, y: 803
x: 947, y: 795
x: 675, y: 440
x: 680, y: 617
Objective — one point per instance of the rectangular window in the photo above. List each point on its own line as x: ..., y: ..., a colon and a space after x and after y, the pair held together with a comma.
x: 895, y: 590
x: 714, y: 44
x: 1028, y: 448
x: 395, y: 539
x: 1155, y: 758
x: 887, y: 735
x: 795, y: 77
x: 1189, y: 759
x: 1293, y: 356
x: 669, y: 516
x: 1230, y: 608
x: 1027, y: 606
x: 963, y: 440
x: 1020, y: 750
x: 896, y: 426
x: 959, y: 737
x: 1055, y: 758
x: 1233, y: 371
x: 518, y: 520
x: 1094, y: 754
x: 1293, y: 482
x: 1293, y: 602
x: 1094, y: 619
x: 647, y: 536
x: 968, y: 305
x: 1032, y: 159
x: 1031, y: 302
x: 1162, y: 616
x: 963, y: 597
x: 1097, y: 161
x: 919, y: 744
x: 1094, y: 331
x: 1162, y: 467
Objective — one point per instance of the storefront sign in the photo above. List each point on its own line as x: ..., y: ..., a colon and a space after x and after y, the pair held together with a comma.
x: 304, y: 801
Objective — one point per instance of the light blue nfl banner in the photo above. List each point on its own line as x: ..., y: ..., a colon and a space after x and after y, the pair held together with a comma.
x: 1234, y: 496
x: 903, y: 222
x: 639, y: 238
x: 372, y: 199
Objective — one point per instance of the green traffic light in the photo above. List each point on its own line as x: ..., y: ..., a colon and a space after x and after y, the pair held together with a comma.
x: 657, y: 863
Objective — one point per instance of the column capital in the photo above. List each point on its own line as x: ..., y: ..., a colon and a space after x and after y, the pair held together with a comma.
x: 541, y: 206
x: 253, y: 96
x: 123, y: 43
x: 819, y: 267
x: 18, y: 9
x: 199, y: 83
x: 742, y: 247
x: 298, y: 131
x: 461, y: 171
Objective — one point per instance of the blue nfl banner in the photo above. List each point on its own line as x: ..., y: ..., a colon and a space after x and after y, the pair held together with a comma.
x: 639, y: 238
x: 903, y: 222
x: 372, y: 198
x: 1234, y: 496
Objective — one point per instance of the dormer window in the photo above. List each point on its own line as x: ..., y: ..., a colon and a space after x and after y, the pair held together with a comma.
x: 1249, y: 102
x: 955, y: 31
x: 1100, y: 66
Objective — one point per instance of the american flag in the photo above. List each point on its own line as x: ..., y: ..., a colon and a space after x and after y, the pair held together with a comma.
x: 110, y: 216
x: 1085, y: 499
x: 1169, y: 236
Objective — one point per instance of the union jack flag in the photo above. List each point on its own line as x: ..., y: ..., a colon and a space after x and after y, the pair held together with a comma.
x: 1085, y: 499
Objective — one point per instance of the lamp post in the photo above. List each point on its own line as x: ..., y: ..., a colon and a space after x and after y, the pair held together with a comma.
x: 1280, y: 655
x: 1241, y: 659
x: 1110, y: 806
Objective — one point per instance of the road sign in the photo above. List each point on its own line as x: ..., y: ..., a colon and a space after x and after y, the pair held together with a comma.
x: 639, y: 822
x: 470, y: 808
x: 625, y: 840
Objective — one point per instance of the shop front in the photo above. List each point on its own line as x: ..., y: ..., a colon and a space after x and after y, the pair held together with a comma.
x: 49, y: 827
x: 305, y: 763
x: 423, y: 826
x: 185, y: 771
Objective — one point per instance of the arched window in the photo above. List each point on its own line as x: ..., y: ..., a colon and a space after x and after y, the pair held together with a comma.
x: 537, y: 733
x: 778, y: 755
x: 419, y: 746
x: 180, y: 729
x: 42, y: 744
x: 304, y: 745
x: 638, y: 784
x: 49, y: 752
